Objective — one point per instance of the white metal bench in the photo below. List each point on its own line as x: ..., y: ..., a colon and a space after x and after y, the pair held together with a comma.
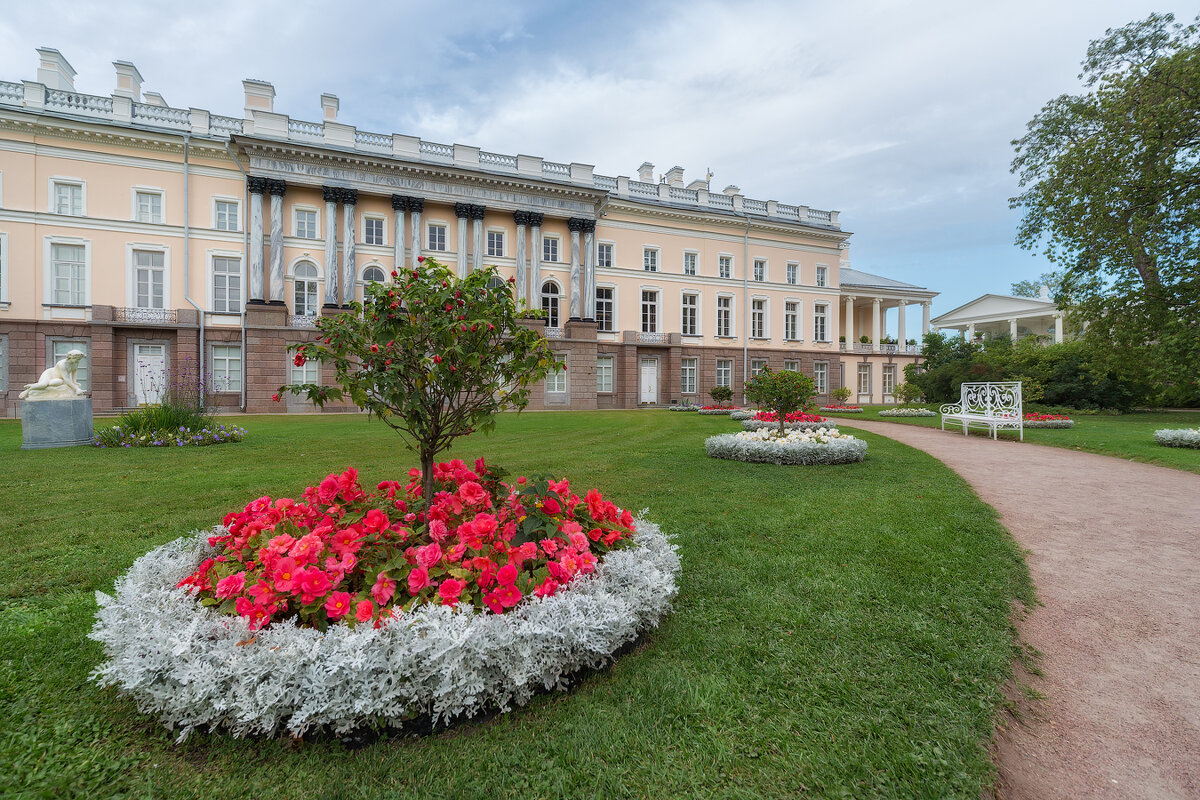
x: 988, y: 405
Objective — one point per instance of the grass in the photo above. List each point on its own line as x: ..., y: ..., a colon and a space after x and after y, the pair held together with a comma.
x: 840, y: 632
x: 1127, y: 436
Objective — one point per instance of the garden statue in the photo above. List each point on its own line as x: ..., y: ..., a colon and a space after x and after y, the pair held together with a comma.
x: 58, y: 382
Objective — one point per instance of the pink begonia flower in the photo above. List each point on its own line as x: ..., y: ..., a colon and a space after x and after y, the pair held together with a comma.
x: 508, y: 595
x: 231, y: 586
x: 579, y: 541
x: 287, y: 575
x: 449, y: 591
x: 438, y: 530
x: 547, y: 588
x: 569, y: 527
x: 338, y: 604
x: 314, y: 582
x: 328, y: 490
x: 561, y: 488
x: 456, y: 553
x: 507, y: 575
x: 551, y: 506
x: 281, y: 544
x: 308, y: 549
x: 375, y: 521
x: 254, y: 613
x: 550, y: 546
x: 492, y: 601
x: 383, y: 589
x: 418, y: 579
x: 365, y: 610
x: 472, y: 494
x: 429, y: 555
x: 347, y: 541
x: 558, y: 572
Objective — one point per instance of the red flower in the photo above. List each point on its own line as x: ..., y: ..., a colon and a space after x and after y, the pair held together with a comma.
x: 365, y: 610
x: 507, y: 575
x: 299, y: 360
x: 450, y: 590
x: 418, y: 579
x: 420, y: 259
x: 275, y: 397
x: 338, y: 605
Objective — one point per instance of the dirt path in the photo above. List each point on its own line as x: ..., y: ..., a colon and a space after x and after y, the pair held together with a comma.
x: 1114, y: 551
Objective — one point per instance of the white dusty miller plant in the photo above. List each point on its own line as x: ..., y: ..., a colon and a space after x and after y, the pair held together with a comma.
x: 1049, y: 423
x: 1178, y: 437
x: 758, y: 425
x: 827, y: 446
x: 193, y: 667
x: 910, y: 412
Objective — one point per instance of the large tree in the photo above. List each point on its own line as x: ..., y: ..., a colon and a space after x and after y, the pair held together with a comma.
x: 1111, y: 192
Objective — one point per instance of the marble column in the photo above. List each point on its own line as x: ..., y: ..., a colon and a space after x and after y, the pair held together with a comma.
x: 850, y: 337
x: 399, y: 206
x: 535, y: 263
x: 277, y: 190
x: 900, y: 334
x: 589, y: 270
x: 575, y: 225
x: 875, y: 323
x: 1059, y: 333
x: 257, y: 280
x: 331, y: 195
x: 1012, y: 328
x: 971, y: 332
x: 925, y: 320
x: 519, y: 290
x: 416, y: 205
x: 463, y: 212
x: 349, y: 201
x: 477, y: 213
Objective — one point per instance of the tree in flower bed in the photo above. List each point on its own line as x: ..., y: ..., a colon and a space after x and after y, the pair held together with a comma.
x: 795, y: 447
x: 214, y: 433
x: 1178, y: 437
x: 783, y: 393
x: 797, y: 420
x: 904, y: 411
x: 1036, y: 420
x: 721, y: 395
x: 347, y: 607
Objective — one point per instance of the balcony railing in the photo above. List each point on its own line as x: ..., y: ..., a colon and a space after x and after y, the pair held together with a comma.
x: 149, y: 316
x: 652, y: 338
x: 867, y: 347
x: 555, y: 333
x: 302, y: 320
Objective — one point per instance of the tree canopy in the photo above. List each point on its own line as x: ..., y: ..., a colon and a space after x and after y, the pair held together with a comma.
x: 783, y: 392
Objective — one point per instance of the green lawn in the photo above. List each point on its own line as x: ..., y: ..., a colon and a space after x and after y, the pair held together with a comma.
x: 1128, y: 436
x: 840, y: 632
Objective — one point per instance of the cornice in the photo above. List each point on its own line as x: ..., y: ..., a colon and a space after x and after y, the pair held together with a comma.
x: 729, y: 219
x: 79, y: 130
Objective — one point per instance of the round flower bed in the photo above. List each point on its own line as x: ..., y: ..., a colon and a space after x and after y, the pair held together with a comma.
x: 797, y: 420
x: 1178, y: 437
x: 908, y: 412
x: 743, y: 414
x: 827, y: 446
x: 345, y: 609
x: 842, y: 409
x: 715, y: 410
x: 683, y: 408
x: 116, y: 436
x: 1035, y: 420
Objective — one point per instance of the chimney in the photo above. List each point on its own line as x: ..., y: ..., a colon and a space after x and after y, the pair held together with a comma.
x: 129, y: 81
x: 674, y: 176
x: 731, y: 190
x: 329, y: 107
x: 260, y: 96
x: 54, y: 71
x: 697, y: 184
x: 646, y: 172
x: 155, y: 99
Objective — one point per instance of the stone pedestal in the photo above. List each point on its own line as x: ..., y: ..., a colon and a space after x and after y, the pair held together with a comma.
x: 56, y: 423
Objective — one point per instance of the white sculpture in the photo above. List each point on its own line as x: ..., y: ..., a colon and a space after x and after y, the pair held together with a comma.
x: 58, y: 382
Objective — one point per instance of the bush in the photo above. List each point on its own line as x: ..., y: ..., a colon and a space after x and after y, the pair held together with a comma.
x: 908, y: 393
x: 841, y: 394
x: 721, y: 394
x: 1178, y: 437
x: 180, y: 418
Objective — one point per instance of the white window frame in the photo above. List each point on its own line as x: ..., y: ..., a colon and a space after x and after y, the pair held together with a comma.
x: 614, y: 327
x: 429, y: 226
x: 757, y: 365
x: 54, y: 181
x: 3, y: 269
x: 300, y: 374
x: 685, y: 364
x: 766, y: 270
x: 48, y: 269
x: 695, y: 256
x: 134, y: 191
x: 131, y: 272
x: 799, y: 313
x: 868, y: 373
x: 821, y: 314
x: 887, y: 379
x: 381, y: 219
x: 792, y: 273
x: 237, y: 215
x: 822, y: 276
x: 487, y: 243
x: 651, y: 257
x: 295, y: 265
x: 821, y: 376
x: 732, y: 317
x: 791, y: 365
x: 241, y: 261
x: 658, y: 320
x: 602, y: 361
x: 307, y: 209
x: 732, y: 265
x: 765, y: 331
x: 559, y: 376
x: 83, y: 343
x: 557, y: 247
x: 728, y: 372
x: 362, y: 273
x: 698, y: 313
x: 212, y: 361
x: 612, y: 254
x: 558, y: 302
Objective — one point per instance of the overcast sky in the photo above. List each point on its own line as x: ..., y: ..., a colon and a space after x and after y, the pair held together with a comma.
x: 899, y: 115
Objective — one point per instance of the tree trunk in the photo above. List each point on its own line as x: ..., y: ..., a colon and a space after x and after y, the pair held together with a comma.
x: 427, y: 457
x: 781, y: 429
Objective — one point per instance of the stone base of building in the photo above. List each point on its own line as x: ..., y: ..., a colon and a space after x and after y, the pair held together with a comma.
x: 56, y: 423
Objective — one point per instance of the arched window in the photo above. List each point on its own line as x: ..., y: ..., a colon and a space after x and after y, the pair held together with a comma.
x: 550, y: 303
x: 373, y: 275
x: 306, y: 290
x: 496, y: 282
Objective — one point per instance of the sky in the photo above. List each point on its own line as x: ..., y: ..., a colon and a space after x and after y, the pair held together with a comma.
x: 898, y: 115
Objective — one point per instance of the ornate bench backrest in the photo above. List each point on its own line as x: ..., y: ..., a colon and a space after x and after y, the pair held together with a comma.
x: 992, y: 399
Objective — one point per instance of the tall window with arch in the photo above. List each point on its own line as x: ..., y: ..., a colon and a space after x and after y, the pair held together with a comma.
x: 306, y: 290
x: 372, y: 274
x: 550, y: 303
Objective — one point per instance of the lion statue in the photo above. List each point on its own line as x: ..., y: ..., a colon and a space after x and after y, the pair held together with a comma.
x: 58, y: 382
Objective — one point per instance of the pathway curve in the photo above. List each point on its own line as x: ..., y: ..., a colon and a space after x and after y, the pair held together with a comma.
x: 1114, y: 551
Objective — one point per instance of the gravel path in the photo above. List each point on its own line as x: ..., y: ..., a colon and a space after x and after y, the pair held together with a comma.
x: 1114, y: 551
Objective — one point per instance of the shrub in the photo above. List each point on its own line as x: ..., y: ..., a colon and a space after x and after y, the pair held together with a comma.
x: 841, y: 394
x: 721, y: 394
x: 1178, y: 437
x: 908, y: 393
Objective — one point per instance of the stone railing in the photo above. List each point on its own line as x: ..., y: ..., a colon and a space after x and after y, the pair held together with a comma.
x: 11, y: 92
x: 437, y: 151
x: 643, y: 189
x: 75, y: 103
x: 302, y: 320
x: 150, y: 316
x: 378, y: 142
x: 177, y: 118
x: 554, y: 333
x: 497, y: 160
x: 555, y: 170
x: 306, y: 131
x: 652, y: 338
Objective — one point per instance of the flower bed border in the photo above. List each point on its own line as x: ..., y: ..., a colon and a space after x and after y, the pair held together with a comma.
x: 908, y: 412
x: 756, y: 424
x: 1178, y: 437
x: 713, y: 412
x: 729, y: 446
x: 193, y: 667
x: 1049, y: 423
x: 837, y: 410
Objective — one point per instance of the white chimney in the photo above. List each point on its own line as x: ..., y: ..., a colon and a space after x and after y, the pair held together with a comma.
x: 674, y: 176
x: 129, y: 81
x: 697, y: 184
x: 155, y: 99
x: 54, y: 71
x: 646, y: 172
x: 731, y: 190
x: 260, y: 96
x: 329, y: 107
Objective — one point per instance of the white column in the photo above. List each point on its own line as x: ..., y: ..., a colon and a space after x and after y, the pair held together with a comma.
x: 573, y: 224
x: 331, y: 195
x: 924, y: 320
x: 875, y: 324
x: 276, y: 189
x: 1058, y: 329
x: 399, y: 206
x: 477, y: 213
x: 463, y: 212
x: 903, y: 342
x: 850, y: 337
x: 416, y: 205
x: 589, y: 269
x: 349, y: 282
x: 257, y: 280
x: 1012, y: 329
x: 971, y: 332
x: 535, y: 266
x: 519, y: 289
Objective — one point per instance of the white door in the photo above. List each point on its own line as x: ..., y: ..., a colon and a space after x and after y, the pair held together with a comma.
x: 649, y: 382
x: 150, y: 369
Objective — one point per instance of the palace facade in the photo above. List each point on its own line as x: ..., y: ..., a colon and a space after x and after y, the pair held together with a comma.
x: 149, y: 236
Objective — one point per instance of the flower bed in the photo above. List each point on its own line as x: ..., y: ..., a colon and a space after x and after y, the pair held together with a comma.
x: 843, y: 409
x: 807, y: 447
x: 1036, y: 420
x: 376, y: 612
x: 797, y: 420
x: 1178, y: 437
x: 743, y: 414
x: 683, y: 408
x: 118, y: 436
x: 716, y: 410
x: 908, y: 412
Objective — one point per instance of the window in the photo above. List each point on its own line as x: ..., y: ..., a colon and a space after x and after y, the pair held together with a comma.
x: 58, y: 351
x: 724, y: 372
x: 793, y: 273
x: 604, y: 308
x: 725, y: 267
x: 821, y: 377
x: 760, y: 269
x: 791, y: 366
x: 306, y: 291
x: 649, y: 311
x: 650, y: 259
x: 67, y: 198
x: 889, y: 378
x: 148, y: 277
x: 227, y: 367
x: 822, y: 276
x: 306, y: 223
x: 550, y: 303
x: 549, y: 248
x: 758, y: 319
x: 372, y: 230
x: 373, y: 275
x: 227, y: 285
x: 688, y: 314
x: 436, y: 237
x: 556, y: 378
x: 687, y: 375
x: 689, y: 263
x: 495, y: 243
x: 308, y: 372
x: 791, y: 321
x: 68, y: 274
x: 724, y: 316
x: 819, y: 317
x: 225, y: 215
x: 604, y: 373
x: 864, y: 378
x: 147, y: 206
x: 604, y: 255
x: 757, y: 365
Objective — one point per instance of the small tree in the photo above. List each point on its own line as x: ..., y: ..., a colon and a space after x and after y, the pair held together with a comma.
x: 841, y: 394
x: 721, y: 394
x: 430, y: 354
x: 908, y: 393
x: 782, y: 392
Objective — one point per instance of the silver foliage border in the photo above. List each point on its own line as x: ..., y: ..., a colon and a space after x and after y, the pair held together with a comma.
x: 1178, y: 437
x: 756, y: 424
x: 191, y: 666
x: 912, y: 412
x: 1049, y: 423
x: 841, y: 451
x: 715, y: 412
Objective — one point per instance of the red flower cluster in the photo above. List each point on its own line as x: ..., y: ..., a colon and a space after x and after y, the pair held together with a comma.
x: 1035, y: 417
x: 339, y: 553
x: 795, y: 416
